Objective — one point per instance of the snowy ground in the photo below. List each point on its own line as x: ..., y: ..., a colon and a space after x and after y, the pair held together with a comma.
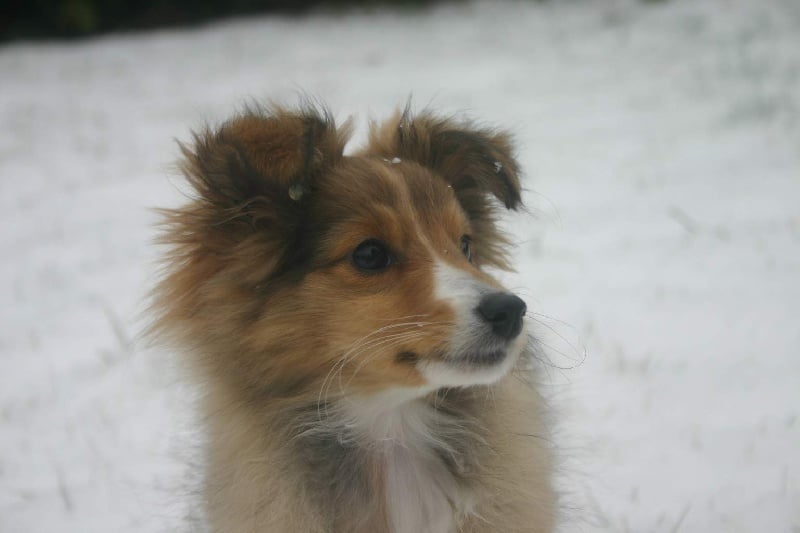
x: 662, y: 148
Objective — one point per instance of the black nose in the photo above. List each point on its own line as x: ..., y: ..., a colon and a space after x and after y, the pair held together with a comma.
x: 504, y: 312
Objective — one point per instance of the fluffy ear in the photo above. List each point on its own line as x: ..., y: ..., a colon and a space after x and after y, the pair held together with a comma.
x: 257, y: 166
x: 477, y: 162
x: 252, y: 177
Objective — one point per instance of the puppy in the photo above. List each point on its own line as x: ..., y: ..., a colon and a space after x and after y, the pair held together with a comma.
x: 361, y: 370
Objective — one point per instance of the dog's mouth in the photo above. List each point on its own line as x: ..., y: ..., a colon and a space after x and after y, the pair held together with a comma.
x: 477, y: 359
x: 484, y: 358
x: 471, y: 366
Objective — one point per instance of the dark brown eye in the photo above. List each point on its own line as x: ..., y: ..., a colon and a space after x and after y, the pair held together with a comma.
x: 466, y: 247
x: 372, y: 256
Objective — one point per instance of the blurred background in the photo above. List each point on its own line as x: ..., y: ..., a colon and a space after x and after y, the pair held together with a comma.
x: 659, y: 253
x: 81, y: 18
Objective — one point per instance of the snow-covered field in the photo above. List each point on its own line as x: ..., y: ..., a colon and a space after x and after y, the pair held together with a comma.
x: 662, y: 149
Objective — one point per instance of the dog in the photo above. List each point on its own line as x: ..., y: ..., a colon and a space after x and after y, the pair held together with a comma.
x: 362, y: 371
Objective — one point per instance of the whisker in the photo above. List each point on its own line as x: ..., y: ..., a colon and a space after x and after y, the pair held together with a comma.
x: 560, y: 336
x: 351, y: 354
x: 388, y: 343
x: 385, y: 336
x: 404, y: 317
x: 553, y: 349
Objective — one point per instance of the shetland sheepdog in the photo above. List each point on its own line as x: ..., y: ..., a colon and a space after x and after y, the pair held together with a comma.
x: 362, y: 371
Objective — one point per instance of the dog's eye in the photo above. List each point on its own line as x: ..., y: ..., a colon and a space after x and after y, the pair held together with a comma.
x: 372, y: 255
x: 466, y: 247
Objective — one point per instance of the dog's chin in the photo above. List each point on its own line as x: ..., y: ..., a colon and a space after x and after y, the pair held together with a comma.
x: 472, y: 368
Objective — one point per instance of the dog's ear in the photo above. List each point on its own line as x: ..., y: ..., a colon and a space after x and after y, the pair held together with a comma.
x: 251, y: 179
x: 256, y: 167
x: 478, y: 163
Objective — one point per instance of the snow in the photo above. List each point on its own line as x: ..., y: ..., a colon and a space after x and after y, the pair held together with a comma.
x: 661, y: 142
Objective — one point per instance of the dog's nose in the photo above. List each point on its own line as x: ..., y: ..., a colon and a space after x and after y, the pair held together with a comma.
x: 504, y: 312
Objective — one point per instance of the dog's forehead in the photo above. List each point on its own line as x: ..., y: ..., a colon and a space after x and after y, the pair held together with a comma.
x: 360, y: 183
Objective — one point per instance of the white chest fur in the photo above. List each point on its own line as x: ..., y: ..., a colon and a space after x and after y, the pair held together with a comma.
x: 407, y: 438
x: 418, y: 492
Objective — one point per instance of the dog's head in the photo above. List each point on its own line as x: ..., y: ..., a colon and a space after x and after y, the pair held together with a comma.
x: 298, y: 270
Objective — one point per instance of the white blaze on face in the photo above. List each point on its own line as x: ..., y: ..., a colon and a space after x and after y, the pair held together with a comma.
x: 471, y: 334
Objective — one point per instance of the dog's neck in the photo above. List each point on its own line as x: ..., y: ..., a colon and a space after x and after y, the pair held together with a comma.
x: 417, y: 455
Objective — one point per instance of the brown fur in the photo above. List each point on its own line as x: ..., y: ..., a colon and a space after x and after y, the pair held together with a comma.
x: 261, y: 294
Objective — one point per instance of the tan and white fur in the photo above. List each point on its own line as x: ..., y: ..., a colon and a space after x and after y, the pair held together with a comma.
x: 361, y: 369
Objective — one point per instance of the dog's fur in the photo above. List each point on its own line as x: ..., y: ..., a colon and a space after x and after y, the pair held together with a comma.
x: 338, y: 399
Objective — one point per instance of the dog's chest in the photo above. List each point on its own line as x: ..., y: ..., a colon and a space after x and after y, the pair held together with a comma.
x: 421, y: 492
